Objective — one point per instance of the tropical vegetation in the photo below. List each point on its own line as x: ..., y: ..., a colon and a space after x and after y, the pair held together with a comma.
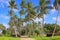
x: 24, y: 24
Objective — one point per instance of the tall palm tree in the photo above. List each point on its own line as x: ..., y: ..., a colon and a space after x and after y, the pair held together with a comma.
x: 42, y: 10
x: 12, y: 5
x: 29, y: 10
x: 13, y: 23
x: 30, y: 13
x: 21, y: 12
x: 56, y: 4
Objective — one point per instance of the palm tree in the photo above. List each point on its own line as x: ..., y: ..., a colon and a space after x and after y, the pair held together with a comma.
x: 12, y: 6
x: 56, y: 4
x: 2, y: 27
x: 42, y: 10
x: 29, y: 10
x: 31, y: 13
x: 21, y: 12
x: 13, y: 23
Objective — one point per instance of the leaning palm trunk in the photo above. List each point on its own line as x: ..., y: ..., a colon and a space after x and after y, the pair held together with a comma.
x: 33, y: 28
x: 16, y: 33
x: 30, y: 27
x: 29, y: 31
x: 42, y: 25
x: 20, y: 25
x: 55, y: 24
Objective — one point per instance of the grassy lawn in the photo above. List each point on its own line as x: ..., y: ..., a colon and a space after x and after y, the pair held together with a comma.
x: 9, y: 38
x: 36, y: 37
x: 47, y: 38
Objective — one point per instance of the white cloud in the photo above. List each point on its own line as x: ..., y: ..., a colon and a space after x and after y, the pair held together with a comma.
x: 53, y: 11
x: 6, y: 25
x: 54, y: 18
x: 45, y: 16
x: 52, y: 5
x: 4, y: 16
x: 40, y: 19
x: 37, y: 20
x: 2, y: 2
x: 15, y: 10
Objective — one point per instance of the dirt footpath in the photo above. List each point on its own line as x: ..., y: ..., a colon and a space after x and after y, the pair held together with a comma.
x: 26, y: 38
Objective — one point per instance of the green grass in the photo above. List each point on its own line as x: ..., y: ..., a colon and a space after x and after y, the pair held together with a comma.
x: 47, y: 38
x: 9, y: 38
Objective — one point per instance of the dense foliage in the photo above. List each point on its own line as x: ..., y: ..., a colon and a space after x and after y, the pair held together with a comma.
x: 48, y: 28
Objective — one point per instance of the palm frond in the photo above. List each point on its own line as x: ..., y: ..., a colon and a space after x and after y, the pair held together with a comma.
x: 21, y: 11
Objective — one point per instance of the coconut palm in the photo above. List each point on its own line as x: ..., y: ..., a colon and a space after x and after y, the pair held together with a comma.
x: 29, y: 10
x: 2, y: 27
x: 30, y: 13
x: 21, y: 12
x: 56, y: 4
x: 12, y: 5
x: 13, y: 23
x: 42, y: 10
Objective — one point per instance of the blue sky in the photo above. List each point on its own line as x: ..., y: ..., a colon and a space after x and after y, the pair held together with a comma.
x: 4, y: 19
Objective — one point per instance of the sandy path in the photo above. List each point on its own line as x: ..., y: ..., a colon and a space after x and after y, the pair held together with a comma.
x: 26, y: 38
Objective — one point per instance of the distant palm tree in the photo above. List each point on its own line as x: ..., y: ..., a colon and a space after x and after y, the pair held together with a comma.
x: 2, y: 27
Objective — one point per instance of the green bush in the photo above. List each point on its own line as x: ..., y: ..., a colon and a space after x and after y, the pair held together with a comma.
x: 6, y: 33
